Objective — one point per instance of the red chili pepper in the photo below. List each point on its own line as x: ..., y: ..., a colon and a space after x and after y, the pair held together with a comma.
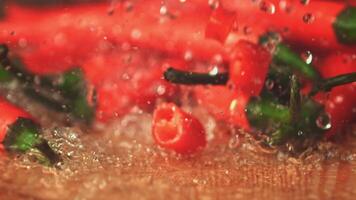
x: 311, y: 25
x: 176, y: 130
x: 248, y: 67
x: 19, y: 133
x: 340, y: 101
x: 128, y: 78
x: 9, y: 114
x: 224, y: 104
x: 142, y: 25
x: 220, y: 24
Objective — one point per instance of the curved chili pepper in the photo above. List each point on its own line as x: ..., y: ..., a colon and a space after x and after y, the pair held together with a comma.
x: 19, y: 133
x: 174, y: 129
x: 68, y: 92
x: 322, y: 25
x: 143, y: 26
x: 340, y: 101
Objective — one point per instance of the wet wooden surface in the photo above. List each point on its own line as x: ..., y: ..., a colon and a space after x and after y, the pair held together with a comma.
x: 116, y: 166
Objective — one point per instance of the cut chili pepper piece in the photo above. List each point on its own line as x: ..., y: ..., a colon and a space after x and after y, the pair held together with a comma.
x: 248, y: 67
x: 224, y: 104
x: 176, y: 130
x: 220, y: 24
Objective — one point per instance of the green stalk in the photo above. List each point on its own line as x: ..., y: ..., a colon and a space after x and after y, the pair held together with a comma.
x: 329, y: 83
x: 285, y: 56
x: 24, y: 135
x: 263, y: 113
x: 345, y: 26
x: 66, y: 92
x: 192, y: 78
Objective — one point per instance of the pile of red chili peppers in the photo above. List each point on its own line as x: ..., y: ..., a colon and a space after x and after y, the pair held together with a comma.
x: 283, y: 69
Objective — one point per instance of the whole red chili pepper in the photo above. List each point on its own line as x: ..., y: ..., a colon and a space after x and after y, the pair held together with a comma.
x: 140, y: 24
x: 19, y: 133
x: 340, y: 101
x: 323, y: 25
x: 174, y: 129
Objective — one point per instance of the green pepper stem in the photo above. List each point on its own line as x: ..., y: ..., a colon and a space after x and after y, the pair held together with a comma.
x: 24, y: 135
x: 345, y: 26
x: 294, y: 100
x: 193, y: 78
x: 48, y: 152
x: 329, y: 83
x: 285, y: 55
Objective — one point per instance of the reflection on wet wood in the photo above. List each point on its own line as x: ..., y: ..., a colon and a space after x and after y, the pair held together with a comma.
x: 141, y: 171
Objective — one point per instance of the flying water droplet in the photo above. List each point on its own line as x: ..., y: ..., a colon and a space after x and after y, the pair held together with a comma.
x: 234, y: 142
x: 214, y: 71
x: 308, y: 18
x: 268, y: 7
x: 307, y: 57
x: 269, y: 83
x: 163, y: 10
x: 324, y: 121
x: 214, y: 4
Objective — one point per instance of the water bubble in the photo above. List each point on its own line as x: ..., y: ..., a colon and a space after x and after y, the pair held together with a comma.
x: 308, y: 18
x: 324, y: 121
x: 307, y: 57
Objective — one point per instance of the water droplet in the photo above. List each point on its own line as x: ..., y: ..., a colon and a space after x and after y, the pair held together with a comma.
x: 136, y: 34
x: 304, y: 2
x: 269, y: 84
x: 234, y: 141
x: 161, y: 89
x: 307, y: 57
x: 182, y: 1
x: 188, y: 55
x: 22, y: 42
x: 214, y: 71
x: 324, y: 121
x: 339, y: 99
x: 214, y: 4
x: 163, y: 10
x: 268, y: 7
x: 247, y: 30
x: 308, y: 18
x: 300, y: 133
